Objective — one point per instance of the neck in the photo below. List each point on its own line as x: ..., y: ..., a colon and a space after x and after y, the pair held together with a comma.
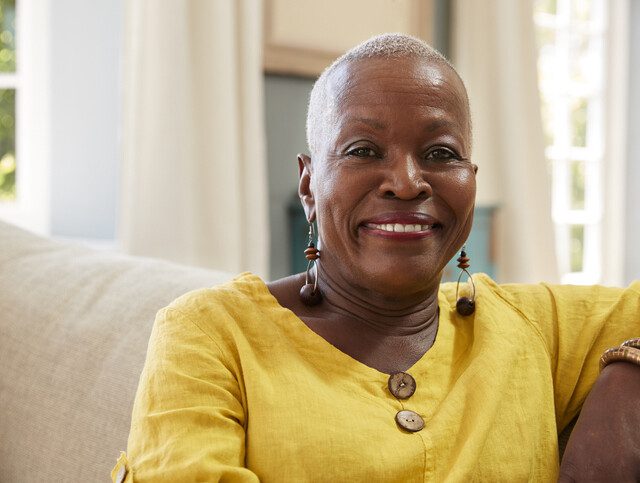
x: 389, y: 315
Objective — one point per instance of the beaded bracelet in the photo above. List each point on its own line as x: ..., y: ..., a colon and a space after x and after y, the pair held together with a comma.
x: 632, y: 343
x: 629, y: 351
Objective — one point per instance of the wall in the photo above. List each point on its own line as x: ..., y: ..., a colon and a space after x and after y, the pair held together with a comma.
x: 85, y: 113
x: 632, y: 255
x: 285, y: 117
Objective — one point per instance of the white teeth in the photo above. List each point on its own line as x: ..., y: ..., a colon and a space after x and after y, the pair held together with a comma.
x: 400, y: 228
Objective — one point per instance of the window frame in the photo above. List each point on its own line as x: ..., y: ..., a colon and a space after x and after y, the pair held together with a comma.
x: 30, y: 208
x: 603, y: 236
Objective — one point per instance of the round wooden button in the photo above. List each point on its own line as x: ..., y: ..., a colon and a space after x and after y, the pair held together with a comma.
x: 409, y: 420
x: 402, y: 385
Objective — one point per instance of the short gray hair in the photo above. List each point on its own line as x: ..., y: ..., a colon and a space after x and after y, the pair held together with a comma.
x: 393, y: 45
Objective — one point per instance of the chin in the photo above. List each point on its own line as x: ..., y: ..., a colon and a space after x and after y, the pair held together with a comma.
x: 401, y: 279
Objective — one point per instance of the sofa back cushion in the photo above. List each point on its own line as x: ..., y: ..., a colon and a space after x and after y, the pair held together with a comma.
x: 74, y: 326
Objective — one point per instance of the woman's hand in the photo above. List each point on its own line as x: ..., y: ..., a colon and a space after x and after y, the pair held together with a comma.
x: 605, y: 443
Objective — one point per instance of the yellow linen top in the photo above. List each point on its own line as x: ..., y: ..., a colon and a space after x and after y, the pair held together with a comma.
x: 237, y: 388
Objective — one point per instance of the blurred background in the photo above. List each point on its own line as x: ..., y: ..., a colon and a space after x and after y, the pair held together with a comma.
x: 170, y: 129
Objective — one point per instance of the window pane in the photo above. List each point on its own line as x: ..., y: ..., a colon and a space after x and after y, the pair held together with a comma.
x: 581, y: 61
x: 576, y: 247
x: 7, y: 35
x: 579, y: 110
x: 581, y: 9
x: 547, y: 58
x: 7, y: 144
x: 546, y: 39
x: 548, y: 121
x: 546, y: 6
x: 576, y: 179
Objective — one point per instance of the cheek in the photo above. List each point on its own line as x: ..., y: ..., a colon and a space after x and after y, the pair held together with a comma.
x: 463, y: 200
x: 467, y: 183
x: 329, y: 197
x: 458, y: 190
x: 338, y: 195
x: 325, y: 190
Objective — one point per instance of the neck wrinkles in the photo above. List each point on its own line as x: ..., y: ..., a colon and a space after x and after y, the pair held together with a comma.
x: 395, y: 318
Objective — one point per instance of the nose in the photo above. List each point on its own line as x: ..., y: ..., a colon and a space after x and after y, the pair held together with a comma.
x: 404, y: 179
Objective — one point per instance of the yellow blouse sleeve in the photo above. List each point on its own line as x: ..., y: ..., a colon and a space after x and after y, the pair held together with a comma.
x: 188, y: 421
x: 577, y: 324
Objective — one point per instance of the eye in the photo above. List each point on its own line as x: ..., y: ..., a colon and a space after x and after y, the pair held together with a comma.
x: 362, y: 152
x: 442, y: 154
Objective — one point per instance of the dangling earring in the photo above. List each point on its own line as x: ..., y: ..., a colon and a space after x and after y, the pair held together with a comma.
x: 465, y: 305
x: 310, y: 293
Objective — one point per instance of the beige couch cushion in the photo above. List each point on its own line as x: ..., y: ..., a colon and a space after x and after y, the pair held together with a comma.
x: 74, y: 325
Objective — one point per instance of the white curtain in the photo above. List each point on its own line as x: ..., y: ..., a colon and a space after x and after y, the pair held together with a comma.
x: 493, y: 48
x: 194, y: 173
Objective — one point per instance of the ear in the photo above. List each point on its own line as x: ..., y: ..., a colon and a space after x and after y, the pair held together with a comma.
x: 304, y: 187
x: 475, y: 169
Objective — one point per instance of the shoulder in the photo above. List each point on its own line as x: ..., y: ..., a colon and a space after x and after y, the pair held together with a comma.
x: 224, y: 307
x: 561, y: 312
x: 566, y: 300
x: 487, y: 291
x: 542, y: 297
x: 496, y: 304
x: 245, y: 289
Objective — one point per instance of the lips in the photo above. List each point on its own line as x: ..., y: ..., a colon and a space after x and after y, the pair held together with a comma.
x: 401, y: 225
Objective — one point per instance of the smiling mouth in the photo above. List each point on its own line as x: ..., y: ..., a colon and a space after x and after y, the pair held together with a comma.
x: 400, y: 227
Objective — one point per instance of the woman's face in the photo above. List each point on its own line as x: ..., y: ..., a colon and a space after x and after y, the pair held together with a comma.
x: 392, y: 187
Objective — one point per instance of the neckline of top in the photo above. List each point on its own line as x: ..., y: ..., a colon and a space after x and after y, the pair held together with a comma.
x: 421, y: 366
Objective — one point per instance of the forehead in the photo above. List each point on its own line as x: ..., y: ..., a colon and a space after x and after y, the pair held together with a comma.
x: 404, y: 83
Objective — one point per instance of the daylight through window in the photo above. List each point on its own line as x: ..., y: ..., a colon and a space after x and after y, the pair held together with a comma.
x: 8, y: 86
x: 571, y: 38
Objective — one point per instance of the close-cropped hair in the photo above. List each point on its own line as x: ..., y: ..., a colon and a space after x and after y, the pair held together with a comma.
x: 392, y: 45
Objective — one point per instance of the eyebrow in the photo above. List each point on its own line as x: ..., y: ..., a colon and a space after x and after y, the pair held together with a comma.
x: 430, y: 127
x: 440, y: 123
x: 370, y: 122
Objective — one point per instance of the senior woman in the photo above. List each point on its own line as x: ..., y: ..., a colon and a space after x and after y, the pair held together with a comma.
x: 366, y: 368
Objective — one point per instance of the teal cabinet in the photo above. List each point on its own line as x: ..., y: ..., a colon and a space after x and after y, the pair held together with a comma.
x: 478, y: 247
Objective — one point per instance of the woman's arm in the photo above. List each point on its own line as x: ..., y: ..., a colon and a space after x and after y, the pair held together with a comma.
x: 188, y: 421
x: 604, y: 444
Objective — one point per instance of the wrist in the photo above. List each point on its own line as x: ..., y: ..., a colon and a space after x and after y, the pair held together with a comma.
x: 628, y: 351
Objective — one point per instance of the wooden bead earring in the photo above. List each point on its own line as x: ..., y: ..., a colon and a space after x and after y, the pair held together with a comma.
x: 465, y: 305
x: 310, y: 293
